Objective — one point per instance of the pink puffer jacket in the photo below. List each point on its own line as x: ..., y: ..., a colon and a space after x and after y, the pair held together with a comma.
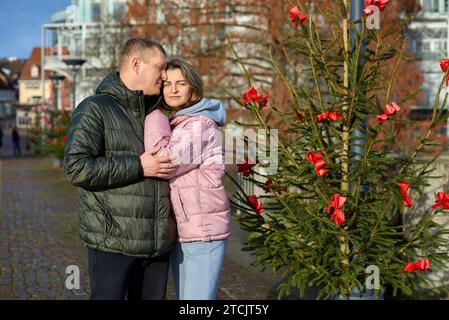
x: 199, y: 200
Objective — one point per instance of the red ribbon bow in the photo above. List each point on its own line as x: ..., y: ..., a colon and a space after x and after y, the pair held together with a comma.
x: 251, y: 96
x: 296, y: 16
x: 403, y: 188
x: 421, y: 264
x: 381, y: 4
x: 444, y: 64
x: 294, y: 117
x: 246, y: 167
x: 317, y: 160
x: 267, y: 185
x: 390, y: 109
x: 255, y: 204
x: 332, y: 116
x: 337, y: 202
x: 442, y: 200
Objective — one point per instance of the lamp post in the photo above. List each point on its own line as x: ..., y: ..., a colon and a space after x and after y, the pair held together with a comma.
x: 56, y: 78
x: 447, y: 49
x: 74, y: 65
x: 357, y: 145
x: 27, y: 122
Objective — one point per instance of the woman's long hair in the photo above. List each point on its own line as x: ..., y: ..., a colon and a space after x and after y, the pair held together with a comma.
x: 192, y: 77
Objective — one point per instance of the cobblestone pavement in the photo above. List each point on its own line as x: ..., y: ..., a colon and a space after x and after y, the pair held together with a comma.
x: 39, y: 239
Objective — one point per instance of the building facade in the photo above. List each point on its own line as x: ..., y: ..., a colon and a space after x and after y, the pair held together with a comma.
x: 8, y: 96
x: 88, y: 30
x: 429, y: 38
x: 32, y: 91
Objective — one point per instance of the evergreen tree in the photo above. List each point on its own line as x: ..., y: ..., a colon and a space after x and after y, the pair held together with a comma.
x: 332, y: 209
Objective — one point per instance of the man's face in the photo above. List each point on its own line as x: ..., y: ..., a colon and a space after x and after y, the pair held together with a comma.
x: 152, y: 73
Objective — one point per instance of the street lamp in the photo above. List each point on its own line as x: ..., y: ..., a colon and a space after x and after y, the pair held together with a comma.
x: 27, y: 123
x: 74, y: 65
x: 56, y: 78
x: 357, y: 144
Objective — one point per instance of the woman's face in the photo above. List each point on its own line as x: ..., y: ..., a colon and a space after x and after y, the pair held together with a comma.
x: 176, y: 90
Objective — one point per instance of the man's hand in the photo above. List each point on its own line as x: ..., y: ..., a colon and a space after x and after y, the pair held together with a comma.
x: 155, y: 166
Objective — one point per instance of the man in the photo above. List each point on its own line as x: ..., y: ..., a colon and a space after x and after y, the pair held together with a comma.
x: 125, y: 218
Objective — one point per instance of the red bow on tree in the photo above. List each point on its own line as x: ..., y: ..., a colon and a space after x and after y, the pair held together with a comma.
x: 251, y: 96
x: 381, y: 4
x: 294, y: 117
x: 337, y: 202
x: 246, y: 168
x: 267, y: 185
x: 403, y: 188
x: 390, y: 109
x: 421, y: 264
x: 442, y: 200
x: 317, y: 160
x: 296, y: 16
x: 255, y: 204
x: 444, y: 64
x: 332, y: 116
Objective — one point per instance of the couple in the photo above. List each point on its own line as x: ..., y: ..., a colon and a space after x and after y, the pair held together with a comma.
x: 140, y: 205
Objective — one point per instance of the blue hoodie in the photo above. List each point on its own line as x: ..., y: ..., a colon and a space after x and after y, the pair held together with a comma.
x: 210, y: 108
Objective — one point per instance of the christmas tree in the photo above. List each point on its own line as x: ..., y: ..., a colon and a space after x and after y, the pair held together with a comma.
x: 336, y: 206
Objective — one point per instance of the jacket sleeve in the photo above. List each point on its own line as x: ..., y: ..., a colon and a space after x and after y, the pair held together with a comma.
x: 187, y: 148
x: 85, y: 162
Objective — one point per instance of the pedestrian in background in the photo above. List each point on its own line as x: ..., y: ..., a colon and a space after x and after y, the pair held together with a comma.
x: 16, y: 141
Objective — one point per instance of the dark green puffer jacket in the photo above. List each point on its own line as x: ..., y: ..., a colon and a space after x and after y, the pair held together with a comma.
x: 120, y: 210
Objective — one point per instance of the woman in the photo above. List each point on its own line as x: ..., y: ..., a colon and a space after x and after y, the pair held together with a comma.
x: 199, y: 201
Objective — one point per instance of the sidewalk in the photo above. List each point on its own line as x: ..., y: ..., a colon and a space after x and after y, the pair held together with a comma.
x: 39, y: 238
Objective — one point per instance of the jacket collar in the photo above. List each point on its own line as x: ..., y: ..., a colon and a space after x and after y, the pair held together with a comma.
x: 134, y: 100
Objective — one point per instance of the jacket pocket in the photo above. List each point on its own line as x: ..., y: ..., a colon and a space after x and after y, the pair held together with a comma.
x: 178, y: 207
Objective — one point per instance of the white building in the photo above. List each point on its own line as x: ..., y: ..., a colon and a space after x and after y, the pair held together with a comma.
x: 7, y: 96
x: 83, y: 31
x: 429, y: 40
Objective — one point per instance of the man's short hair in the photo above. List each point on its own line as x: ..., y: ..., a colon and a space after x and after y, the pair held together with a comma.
x: 138, y: 46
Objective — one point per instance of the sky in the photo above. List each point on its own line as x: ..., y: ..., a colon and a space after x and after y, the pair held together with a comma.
x: 20, y: 24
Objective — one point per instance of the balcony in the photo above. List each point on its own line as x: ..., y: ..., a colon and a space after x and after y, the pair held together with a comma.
x: 59, y: 17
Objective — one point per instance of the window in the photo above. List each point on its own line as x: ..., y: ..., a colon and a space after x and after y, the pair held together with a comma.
x: 437, y: 46
x: 446, y: 5
x: 119, y: 11
x: 412, y: 46
x: 24, y: 120
x: 431, y: 6
x: 96, y: 12
x: 32, y: 85
x: 34, y: 71
x: 431, y: 49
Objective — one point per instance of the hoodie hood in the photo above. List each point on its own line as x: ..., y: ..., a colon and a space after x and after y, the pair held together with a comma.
x: 134, y: 100
x: 211, y: 108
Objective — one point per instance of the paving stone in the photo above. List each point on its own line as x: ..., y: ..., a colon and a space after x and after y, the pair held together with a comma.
x: 39, y: 239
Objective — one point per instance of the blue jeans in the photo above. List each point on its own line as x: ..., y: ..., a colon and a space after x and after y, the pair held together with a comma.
x: 196, y: 268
